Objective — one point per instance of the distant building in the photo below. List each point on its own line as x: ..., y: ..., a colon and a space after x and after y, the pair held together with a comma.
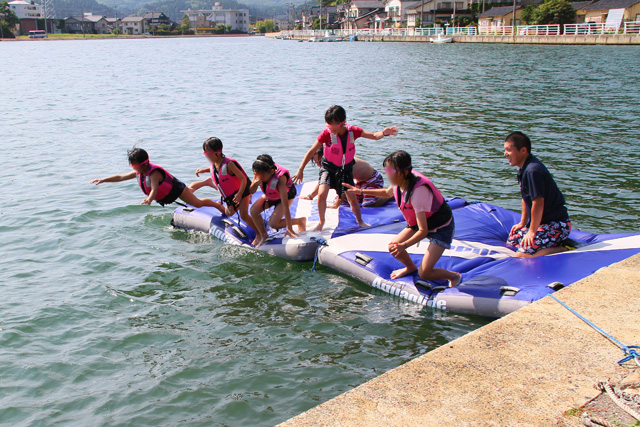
x: 428, y: 12
x: 282, y: 22
x: 500, y: 16
x: 132, y: 25
x: 330, y: 16
x: 113, y: 23
x: 598, y: 11
x: 204, y: 20
x: 357, y: 14
x: 87, y: 24
x: 155, y: 19
x: 28, y: 13
x: 397, y: 11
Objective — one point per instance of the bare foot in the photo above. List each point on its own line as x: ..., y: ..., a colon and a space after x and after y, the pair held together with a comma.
x: 455, y: 282
x: 396, y: 274
x: 319, y: 227
x: 259, y: 241
x: 303, y: 226
x: 221, y: 208
x: 363, y: 224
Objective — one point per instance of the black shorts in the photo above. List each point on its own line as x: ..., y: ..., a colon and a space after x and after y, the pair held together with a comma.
x: 229, y: 200
x: 174, y: 194
x: 290, y: 195
x: 334, y: 178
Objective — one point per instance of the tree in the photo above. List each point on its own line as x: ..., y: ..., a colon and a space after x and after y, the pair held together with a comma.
x: 267, y: 26
x: 549, y: 12
x: 8, y: 20
x: 556, y: 12
x: 319, y: 23
x: 185, y: 25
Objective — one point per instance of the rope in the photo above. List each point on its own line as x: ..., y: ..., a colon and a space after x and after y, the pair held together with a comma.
x: 629, y: 351
x: 620, y: 398
x: 591, y: 421
x: 321, y: 242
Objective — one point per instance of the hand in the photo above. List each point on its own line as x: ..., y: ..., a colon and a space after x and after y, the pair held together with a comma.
x: 297, y: 178
x: 96, y: 181
x: 237, y: 198
x: 393, y: 130
x: 307, y: 197
x: 290, y: 233
x: 395, y: 248
x: 515, y: 228
x: 146, y: 201
x: 351, y: 188
x: 201, y: 170
x: 528, y: 239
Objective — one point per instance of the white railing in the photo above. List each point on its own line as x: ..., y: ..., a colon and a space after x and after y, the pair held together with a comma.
x: 538, y: 30
x: 367, y: 32
x: 462, y: 31
x: 496, y: 31
x: 631, y: 27
x: 587, y: 28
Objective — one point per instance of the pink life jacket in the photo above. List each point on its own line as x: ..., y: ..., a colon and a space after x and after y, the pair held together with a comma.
x: 270, y: 189
x: 164, y: 187
x: 226, y: 183
x: 404, y: 203
x: 333, y: 151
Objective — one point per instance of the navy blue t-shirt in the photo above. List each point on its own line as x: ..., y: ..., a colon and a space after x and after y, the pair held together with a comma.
x: 536, y: 181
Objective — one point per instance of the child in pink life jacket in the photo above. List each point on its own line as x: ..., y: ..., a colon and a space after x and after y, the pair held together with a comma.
x: 279, y: 191
x: 427, y: 214
x: 336, y: 167
x: 229, y: 178
x: 157, y: 183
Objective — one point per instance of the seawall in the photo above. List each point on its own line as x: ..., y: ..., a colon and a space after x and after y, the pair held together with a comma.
x: 526, y: 369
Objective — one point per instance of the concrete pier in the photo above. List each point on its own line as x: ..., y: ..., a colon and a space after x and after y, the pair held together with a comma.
x: 533, y: 367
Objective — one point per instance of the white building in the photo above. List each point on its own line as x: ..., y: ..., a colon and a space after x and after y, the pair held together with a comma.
x: 132, y: 25
x: 26, y: 10
x: 397, y: 11
x: 238, y: 19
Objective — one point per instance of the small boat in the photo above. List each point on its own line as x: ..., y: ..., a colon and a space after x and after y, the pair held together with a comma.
x: 441, y: 38
x: 495, y: 281
x: 338, y: 222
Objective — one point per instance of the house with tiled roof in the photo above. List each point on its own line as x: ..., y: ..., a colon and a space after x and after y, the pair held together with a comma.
x: 499, y: 16
x: 598, y: 11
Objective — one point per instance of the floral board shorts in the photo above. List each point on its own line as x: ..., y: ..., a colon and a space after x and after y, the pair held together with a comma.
x: 547, y: 236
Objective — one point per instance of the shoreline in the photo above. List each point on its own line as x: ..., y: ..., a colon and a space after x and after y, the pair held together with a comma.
x: 536, y: 366
x: 58, y: 37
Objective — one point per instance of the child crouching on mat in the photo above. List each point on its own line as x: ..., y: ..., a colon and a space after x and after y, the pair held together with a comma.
x: 427, y: 214
x: 279, y: 191
x: 229, y: 178
x: 157, y: 183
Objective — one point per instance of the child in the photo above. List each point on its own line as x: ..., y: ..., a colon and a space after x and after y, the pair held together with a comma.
x: 337, y: 162
x: 228, y: 177
x: 427, y: 215
x: 364, y: 175
x: 157, y: 183
x: 278, y: 191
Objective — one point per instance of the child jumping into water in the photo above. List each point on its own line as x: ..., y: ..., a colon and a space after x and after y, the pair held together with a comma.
x: 279, y: 191
x: 427, y: 215
x: 157, y: 183
x: 337, y: 162
x: 229, y: 178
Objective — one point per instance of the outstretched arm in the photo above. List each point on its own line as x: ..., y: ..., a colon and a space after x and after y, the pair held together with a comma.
x: 297, y: 178
x: 393, y: 130
x: 378, y: 192
x: 114, y: 178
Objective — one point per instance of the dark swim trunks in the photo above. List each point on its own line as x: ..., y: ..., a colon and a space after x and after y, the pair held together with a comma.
x: 176, y: 190
x: 290, y: 196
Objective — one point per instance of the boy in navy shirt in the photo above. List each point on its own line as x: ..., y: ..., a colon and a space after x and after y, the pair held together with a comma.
x: 544, y: 224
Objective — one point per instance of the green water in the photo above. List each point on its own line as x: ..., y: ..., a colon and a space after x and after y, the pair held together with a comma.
x: 108, y: 316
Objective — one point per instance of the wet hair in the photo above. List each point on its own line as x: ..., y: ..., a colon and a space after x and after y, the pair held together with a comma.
x: 400, y: 160
x: 320, y: 153
x: 335, y: 114
x: 137, y: 155
x: 212, y: 144
x: 264, y: 164
x: 519, y: 140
